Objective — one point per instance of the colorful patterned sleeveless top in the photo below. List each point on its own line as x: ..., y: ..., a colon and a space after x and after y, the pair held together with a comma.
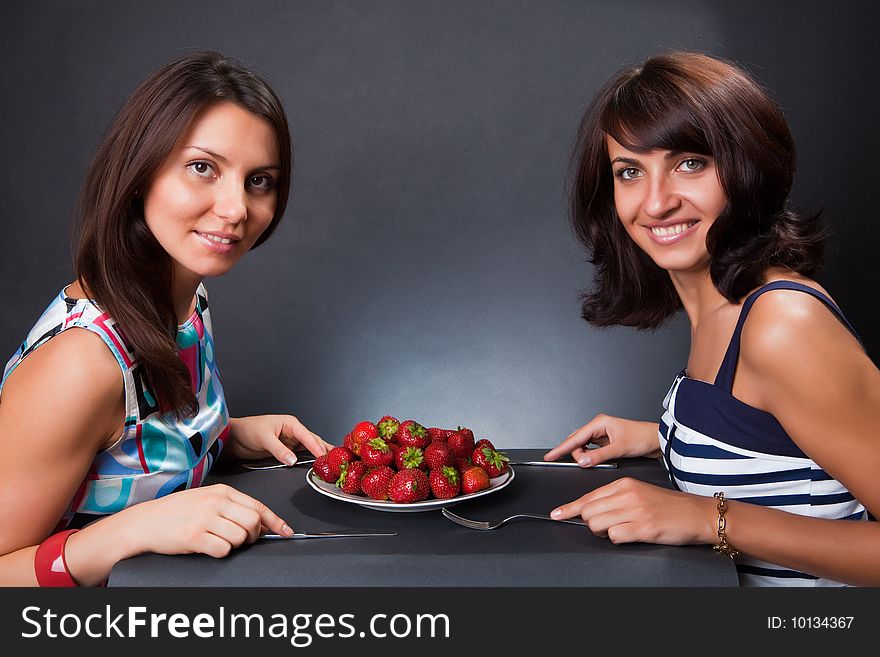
x: 156, y: 454
x: 711, y: 441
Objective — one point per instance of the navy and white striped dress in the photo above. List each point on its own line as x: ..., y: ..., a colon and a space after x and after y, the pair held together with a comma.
x: 711, y: 441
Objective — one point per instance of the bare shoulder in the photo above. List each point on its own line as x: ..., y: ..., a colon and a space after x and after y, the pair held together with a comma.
x: 787, y: 325
x: 806, y: 369
x: 75, y: 354
x: 803, y: 361
x: 76, y: 376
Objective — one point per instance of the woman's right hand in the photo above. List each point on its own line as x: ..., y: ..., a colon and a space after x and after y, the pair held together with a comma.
x: 614, y: 437
x: 212, y: 520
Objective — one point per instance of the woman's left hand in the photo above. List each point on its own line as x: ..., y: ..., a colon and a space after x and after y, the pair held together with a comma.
x: 628, y: 510
x: 261, y: 436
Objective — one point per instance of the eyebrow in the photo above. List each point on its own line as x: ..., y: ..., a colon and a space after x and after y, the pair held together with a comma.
x: 226, y: 161
x: 630, y: 160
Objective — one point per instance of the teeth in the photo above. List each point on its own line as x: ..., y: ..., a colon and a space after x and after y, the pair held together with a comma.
x: 214, y: 238
x: 677, y: 229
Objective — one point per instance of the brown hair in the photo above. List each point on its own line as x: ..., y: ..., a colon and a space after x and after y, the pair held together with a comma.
x: 689, y: 102
x: 117, y: 259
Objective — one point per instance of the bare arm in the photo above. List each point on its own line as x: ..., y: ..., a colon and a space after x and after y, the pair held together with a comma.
x: 824, y: 390
x: 62, y: 404
x: 800, y: 364
x: 59, y: 407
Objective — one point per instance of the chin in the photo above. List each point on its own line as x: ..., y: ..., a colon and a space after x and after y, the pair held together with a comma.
x: 210, y: 269
x: 684, y: 262
x: 213, y: 272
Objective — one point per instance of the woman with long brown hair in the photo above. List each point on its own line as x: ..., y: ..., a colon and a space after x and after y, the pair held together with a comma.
x: 112, y: 410
x: 771, y: 434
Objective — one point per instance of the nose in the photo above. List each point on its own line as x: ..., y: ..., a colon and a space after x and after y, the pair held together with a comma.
x: 661, y: 198
x: 230, y: 201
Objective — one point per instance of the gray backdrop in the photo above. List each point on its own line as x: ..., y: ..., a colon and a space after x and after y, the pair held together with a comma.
x: 425, y: 267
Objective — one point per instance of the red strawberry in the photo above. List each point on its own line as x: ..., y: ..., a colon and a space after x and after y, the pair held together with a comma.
x: 494, y: 463
x: 362, y: 433
x: 350, y: 477
x: 483, y: 442
x: 437, y: 455
x: 376, y: 452
x: 467, y: 432
x: 395, y: 452
x: 377, y: 483
x: 410, y: 457
x: 336, y: 457
x: 412, y: 434
x: 463, y: 464
x: 323, y: 470
x: 410, y: 485
x: 388, y: 427
x: 347, y: 442
x: 436, y: 434
x: 461, y: 442
x: 445, y: 482
x: 473, y: 480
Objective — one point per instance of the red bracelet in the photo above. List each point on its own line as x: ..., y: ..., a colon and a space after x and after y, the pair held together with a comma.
x: 50, y: 565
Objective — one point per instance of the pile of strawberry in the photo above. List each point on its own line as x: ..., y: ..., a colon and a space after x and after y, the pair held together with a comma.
x: 404, y: 462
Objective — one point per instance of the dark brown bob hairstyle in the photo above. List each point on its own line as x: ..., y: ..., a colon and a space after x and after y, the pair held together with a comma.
x: 690, y: 102
x: 117, y: 260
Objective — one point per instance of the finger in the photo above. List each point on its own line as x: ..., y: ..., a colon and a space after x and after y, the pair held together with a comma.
x: 602, y: 512
x: 292, y: 428
x: 245, y: 517
x: 599, y: 524
x: 281, y: 450
x: 212, y: 545
x: 597, y: 455
x: 230, y: 531
x: 569, y: 510
x: 574, y: 508
x: 616, y: 526
x: 267, y: 517
x: 293, y: 443
x: 624, y: 532
x: 577, y: 439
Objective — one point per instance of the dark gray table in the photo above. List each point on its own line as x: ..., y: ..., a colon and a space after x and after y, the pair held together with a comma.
x: 429, y: 550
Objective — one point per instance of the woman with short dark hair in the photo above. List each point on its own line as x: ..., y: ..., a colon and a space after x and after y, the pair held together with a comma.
x: 680, y: 190
x: 193, y: 173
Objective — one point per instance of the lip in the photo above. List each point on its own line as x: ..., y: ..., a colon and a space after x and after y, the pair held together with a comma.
x: 666, y: 240
x: 218, y: 247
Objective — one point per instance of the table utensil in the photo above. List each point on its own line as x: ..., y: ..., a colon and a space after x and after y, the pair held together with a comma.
x: 566, y: 464
x: 322, y: 487
x: 272, y: 464
x: 495, y: 524
x: 342, y: 534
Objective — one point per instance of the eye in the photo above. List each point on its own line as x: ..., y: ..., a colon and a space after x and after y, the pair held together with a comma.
x: 692, y: 164
x: 628, y: 173
x: 261, y: 181
x: 201, y: 168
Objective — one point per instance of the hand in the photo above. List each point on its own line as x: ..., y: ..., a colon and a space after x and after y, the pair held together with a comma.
x: 628, y: 510
x: 272, y: 435
x: 211, y: 520
x: 616, y: 438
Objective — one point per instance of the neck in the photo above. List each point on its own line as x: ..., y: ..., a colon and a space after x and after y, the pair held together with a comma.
x: 183, y: 292
x: 698, y: 294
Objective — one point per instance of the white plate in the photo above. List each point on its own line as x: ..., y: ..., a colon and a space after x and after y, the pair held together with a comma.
x: 330, y: 490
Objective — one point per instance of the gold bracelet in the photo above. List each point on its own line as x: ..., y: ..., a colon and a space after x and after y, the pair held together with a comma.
x: 723, y: 546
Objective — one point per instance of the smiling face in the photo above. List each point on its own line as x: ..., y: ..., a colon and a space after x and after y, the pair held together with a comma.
x: 216, y: 192
x: 667, y: 201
